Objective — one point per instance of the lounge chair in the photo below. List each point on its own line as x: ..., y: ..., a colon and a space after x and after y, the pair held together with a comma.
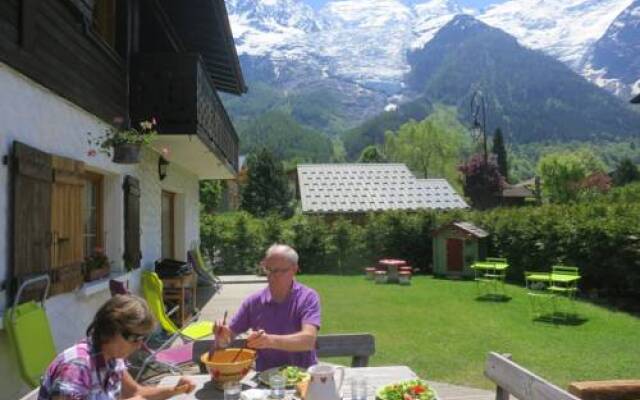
x: 170, y: 357
x: 204, y: 270
x: 30, y: 335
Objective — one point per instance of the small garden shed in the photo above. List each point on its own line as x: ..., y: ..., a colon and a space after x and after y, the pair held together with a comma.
x: 456, y: 246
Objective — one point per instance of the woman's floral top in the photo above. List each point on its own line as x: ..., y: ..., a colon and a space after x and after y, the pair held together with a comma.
x: 81, y: 373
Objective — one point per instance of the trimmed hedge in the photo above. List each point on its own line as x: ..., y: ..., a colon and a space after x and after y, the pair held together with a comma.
x: 601, y: 237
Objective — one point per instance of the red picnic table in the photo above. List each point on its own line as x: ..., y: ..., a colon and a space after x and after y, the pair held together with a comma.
x: 391, y: 265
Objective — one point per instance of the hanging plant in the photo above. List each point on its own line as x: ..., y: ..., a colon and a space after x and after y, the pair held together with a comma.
x: 123, y: 144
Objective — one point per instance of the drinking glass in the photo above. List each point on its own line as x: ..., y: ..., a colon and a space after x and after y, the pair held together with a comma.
x: 232, y: 391
x: 277, y: 384
x: 359, y: 388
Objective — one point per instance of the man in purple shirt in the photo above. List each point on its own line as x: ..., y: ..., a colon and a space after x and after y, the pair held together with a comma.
x: 283, y: 319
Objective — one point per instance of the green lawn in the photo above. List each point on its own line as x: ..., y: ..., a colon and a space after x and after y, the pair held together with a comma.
x: 439, y: 329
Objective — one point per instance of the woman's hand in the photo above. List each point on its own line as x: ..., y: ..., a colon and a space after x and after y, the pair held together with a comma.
x: 185, y: 385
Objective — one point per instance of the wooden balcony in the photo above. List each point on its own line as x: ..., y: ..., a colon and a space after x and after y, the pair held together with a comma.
x: 176, y: 89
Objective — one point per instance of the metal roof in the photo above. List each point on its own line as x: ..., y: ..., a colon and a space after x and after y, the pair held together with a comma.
x: 472, y: 229
x: 516, y: 191
x: 356, y: 188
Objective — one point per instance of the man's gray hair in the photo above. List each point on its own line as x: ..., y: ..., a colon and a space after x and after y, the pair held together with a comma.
x: 287, y: 251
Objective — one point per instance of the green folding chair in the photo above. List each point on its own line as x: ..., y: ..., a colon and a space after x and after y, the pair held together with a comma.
x: 564, y: 283
x: 152, y: 290
x: 30, y: 335
x: 542, y: 303
x: 204, y: 270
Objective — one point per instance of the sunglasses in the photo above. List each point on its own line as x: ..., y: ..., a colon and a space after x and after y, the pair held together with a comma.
x: 134, y: 337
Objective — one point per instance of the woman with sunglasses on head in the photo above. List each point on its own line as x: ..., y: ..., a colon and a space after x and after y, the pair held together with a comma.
x: 95, y: 368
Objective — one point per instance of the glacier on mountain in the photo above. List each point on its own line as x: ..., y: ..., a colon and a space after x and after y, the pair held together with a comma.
x: 366, y: 42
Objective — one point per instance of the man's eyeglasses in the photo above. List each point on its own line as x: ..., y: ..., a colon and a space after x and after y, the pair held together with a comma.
x: 275, y: 271
x: 134, y: 337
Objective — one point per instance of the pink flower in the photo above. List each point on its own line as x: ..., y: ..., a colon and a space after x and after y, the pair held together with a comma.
x: 92, y: 153
x: 154, y: 121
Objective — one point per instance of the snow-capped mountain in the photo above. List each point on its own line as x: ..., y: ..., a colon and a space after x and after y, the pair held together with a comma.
x: 614, y: 60
x: 564, y: 29
x: 366, y: 42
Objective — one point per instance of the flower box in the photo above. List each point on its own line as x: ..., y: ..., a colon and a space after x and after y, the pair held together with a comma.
x: 126, y: 153
x: 97, y: 273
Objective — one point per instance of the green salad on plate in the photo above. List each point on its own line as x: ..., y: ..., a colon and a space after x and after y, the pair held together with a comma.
x: 414, y: 389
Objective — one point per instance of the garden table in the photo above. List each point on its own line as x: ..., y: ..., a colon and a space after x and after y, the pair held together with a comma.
x: 391, y: 265
x: 376, y: 377
x: 555, y: 284
x: 490, y: 273
x: 546, y: 277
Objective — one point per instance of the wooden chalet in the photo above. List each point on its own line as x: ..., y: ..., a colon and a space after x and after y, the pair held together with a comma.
x: 68, y: 67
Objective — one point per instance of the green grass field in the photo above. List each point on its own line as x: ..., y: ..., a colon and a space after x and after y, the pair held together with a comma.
x: 439, y: 329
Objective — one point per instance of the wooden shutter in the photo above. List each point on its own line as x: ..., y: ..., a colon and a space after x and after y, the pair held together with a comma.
x: 132, y: 254
x: 31, y: 218
x: 67, y: 252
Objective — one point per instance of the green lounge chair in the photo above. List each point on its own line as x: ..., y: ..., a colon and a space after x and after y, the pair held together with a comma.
x: 30, y: 335
x: 206, y: 276
x: 152, y: 291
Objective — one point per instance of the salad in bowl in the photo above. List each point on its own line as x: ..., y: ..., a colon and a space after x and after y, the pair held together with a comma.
x: 414, y: 389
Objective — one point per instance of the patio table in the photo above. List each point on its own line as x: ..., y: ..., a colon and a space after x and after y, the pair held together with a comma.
x: 391, y: 265
x: 553, y: 278
x: 490, y: 274
x: 554, y: 284
x: 376, y: 377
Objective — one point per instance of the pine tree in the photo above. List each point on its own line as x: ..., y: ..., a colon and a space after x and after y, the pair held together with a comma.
x: 371, y: 154
x: 626, y: 172
x: 266, y: 190
x: 501, y: 153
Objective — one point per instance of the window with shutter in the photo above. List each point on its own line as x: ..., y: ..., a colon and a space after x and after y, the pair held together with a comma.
x: 32, y: 176
x: 67, y: 251
x: 132, y: 254
x: 93, y: 214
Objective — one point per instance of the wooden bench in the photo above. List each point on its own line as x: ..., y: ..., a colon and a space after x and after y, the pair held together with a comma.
x: 358, y: 346
x: 512, y: 379
x: 628, y: 389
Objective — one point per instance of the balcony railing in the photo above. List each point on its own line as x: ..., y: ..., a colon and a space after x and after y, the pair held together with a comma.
x: 176, y: 90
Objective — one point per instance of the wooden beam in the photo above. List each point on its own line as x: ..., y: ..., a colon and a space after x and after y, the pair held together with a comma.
x: 606, y: 390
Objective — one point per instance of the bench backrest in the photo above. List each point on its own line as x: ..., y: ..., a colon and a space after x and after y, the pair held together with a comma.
x: 565, y: 270
x: 359, y: 346
x: 521, y: 383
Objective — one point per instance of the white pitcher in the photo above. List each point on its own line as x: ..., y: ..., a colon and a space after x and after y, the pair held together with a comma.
x: 322, y: 384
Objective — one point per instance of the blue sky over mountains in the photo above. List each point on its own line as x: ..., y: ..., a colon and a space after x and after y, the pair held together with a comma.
x: 469, y: 3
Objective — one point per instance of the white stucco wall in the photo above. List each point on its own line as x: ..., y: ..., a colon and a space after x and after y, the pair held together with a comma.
x: 35, y: 116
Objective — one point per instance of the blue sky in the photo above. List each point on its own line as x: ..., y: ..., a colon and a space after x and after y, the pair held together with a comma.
x: 472, y: 3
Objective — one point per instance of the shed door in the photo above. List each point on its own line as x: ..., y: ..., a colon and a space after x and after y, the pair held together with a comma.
x: 454, y: 255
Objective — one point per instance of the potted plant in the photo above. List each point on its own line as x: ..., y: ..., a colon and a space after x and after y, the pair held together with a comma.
x: 123, y: 144
x: 96, y: 266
